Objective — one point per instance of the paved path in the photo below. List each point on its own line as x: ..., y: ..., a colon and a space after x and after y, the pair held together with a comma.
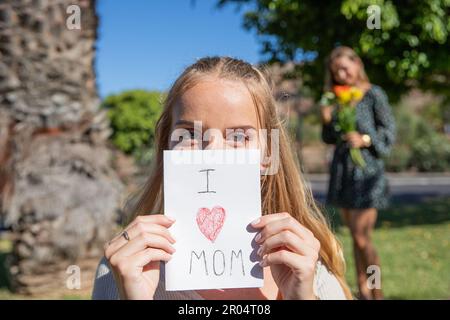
x: 404, y: 188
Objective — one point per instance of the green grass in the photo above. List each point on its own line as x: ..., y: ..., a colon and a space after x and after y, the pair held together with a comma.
x: 413, y: 242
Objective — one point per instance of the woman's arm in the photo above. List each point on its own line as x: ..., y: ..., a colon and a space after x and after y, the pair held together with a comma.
x: 104, y: 285
x: 329, y: 134
x: 383, y: 134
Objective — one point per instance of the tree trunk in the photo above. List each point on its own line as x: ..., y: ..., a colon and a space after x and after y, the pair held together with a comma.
x: 58, y: 191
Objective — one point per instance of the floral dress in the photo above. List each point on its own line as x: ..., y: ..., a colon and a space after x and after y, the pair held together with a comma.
x: 355, y: 187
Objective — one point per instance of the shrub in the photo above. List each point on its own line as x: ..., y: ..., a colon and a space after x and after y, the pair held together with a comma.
x: 399, y: 158
x: 418, y: 145
x: 431, y: 153
x: 133, y: 115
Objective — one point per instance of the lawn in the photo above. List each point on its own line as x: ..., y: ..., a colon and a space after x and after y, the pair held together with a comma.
x: 413, y: 241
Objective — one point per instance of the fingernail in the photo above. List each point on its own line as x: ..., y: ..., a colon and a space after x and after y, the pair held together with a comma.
x: 170, y: 218
x: 258, y: 237
x: 260, y: 251
x: 256, y: 221
x: 263, y: 263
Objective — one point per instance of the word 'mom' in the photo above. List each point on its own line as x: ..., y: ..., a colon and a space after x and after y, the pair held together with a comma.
x: 217, y: 262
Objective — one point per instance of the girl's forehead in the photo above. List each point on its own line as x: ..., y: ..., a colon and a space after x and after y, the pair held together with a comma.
x: 215, y: 88
x: 217, y: 103
x: 341, y: 61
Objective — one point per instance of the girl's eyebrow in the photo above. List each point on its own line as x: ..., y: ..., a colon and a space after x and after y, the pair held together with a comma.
x: 191, y: 124
x: 242, y: 127
x: 184, y: 122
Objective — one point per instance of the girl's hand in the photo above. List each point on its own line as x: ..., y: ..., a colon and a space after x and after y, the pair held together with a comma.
x: 326, y: 113
x: 135, y: 262
x: 291, y: 251
x: 355, y: 139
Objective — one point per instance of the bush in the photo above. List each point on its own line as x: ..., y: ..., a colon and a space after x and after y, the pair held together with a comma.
x: 431, y: 153
x: 399, y: 158
x: 305, y: 129
x: 437, y: 114
x: 133, y: 115
x: 418, y: 145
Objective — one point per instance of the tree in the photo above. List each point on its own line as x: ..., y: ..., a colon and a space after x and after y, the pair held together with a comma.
x: 58, y: 191
x: 133, y: 116
x: 409, y: 50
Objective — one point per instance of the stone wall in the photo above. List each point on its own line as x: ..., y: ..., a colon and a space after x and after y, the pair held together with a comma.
x: 58, y: 191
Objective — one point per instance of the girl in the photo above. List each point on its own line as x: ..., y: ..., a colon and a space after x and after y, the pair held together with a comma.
x: 358, y: 191
x: 302, y: 259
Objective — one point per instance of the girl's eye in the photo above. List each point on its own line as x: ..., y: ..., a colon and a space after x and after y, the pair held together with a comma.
x: 186, y: 140
x: 192, y: 133
x: 237, y: 138
x: 241, y: 137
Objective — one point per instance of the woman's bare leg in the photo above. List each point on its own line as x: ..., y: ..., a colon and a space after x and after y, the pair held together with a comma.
x: 360, y: 263
x: 362, y: 224
x: 372, y: 256
x: 361, y: 275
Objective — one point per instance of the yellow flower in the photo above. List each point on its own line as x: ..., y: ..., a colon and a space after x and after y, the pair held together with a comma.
x: 356, y: 94
x: 344, y: 97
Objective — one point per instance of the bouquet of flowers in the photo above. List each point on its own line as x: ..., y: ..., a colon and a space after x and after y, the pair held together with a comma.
x: 346, y: 98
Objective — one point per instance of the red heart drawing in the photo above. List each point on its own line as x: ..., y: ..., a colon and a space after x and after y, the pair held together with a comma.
x: 211, y: 221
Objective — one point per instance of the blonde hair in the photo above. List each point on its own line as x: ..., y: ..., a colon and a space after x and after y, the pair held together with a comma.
x: 338, y: 52
x: 284, y: 191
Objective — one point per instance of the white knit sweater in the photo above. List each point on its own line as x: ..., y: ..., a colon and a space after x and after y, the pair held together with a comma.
x: 326, y: 286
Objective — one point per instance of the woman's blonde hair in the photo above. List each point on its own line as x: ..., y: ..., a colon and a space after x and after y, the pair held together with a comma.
x: 284, y: 191
x: 342, y: 51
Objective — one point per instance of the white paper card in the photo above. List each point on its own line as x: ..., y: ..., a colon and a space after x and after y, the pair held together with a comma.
x: 214, y: 195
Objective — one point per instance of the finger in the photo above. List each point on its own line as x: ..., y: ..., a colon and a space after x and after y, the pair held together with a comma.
x: 141, y: 259
x: 262, y: 221
x: 289, y: 240
x: 147, y: 227
x: 351, y: 140
x: 288, y: 258
x: 288, y: 223
x: 160, y: 219
x: 134, y: 231
x: 141, y: 243
x: 135, y: 263
x: 143, y: 226
x: 355, y: 143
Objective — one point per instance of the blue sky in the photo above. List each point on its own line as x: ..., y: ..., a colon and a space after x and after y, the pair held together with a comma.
x: 145, y: 44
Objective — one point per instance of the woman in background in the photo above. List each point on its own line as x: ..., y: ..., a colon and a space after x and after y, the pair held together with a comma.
x: 359, y: 191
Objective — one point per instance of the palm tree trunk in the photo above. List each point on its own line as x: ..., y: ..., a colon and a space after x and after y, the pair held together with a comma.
x: 58, y: 192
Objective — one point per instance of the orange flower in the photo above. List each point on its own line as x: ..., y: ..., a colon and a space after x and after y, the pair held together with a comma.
x: 338, y: 90
x: 343, y: 93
